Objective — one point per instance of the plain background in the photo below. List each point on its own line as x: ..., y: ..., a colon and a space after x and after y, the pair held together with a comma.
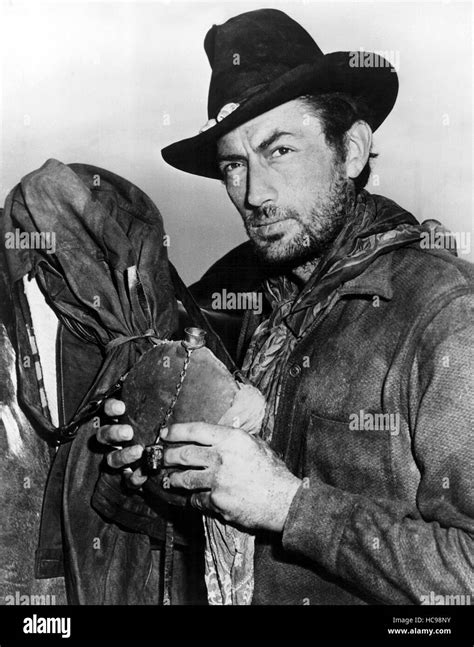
x: 111, y: 83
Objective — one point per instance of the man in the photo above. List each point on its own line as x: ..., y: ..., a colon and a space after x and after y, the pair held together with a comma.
x: 359, y: 490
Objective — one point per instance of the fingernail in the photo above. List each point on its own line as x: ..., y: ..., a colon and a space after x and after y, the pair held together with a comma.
x: 136, y: 451
x: 126, y: 433
x: 119, y: 408
x: 164, y: 432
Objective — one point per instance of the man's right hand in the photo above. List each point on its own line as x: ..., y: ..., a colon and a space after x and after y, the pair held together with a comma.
x: 114, y: 435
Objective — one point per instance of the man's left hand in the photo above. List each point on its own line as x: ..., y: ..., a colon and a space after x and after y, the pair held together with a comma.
x: 231, y: 473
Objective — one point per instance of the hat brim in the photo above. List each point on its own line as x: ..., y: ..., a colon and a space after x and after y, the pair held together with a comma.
x: 377, y: 86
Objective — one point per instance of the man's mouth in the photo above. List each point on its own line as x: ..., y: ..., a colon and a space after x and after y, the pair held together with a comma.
x: 267, y: 222
x: 268, y: 225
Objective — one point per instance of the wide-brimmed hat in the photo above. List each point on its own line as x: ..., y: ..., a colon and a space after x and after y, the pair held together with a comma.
x: 263, y: 58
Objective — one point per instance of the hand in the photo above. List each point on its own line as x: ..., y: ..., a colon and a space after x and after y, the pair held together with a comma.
x: 115, y: 435
x: 232, y: 473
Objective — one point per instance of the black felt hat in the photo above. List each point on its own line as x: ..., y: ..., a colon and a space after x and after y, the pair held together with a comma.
x: 263, y: 58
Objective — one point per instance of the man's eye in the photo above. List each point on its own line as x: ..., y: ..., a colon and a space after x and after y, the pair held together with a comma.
x: 281, y: 150
x: 231, y: 166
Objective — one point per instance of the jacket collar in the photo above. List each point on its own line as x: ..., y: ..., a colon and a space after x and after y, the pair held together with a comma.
x: 376, y: 280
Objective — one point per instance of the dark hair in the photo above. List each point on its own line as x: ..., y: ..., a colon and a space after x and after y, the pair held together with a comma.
x: 338, y: 112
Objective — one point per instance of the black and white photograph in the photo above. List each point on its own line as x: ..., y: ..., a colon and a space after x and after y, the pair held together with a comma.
x: 236, y: 320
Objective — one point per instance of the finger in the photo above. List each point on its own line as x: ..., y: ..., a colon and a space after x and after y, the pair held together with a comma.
x: 189, y: 455
x: 134, y: 479
x: 114, y: 434
x: 124, y: 457
x: 201, y: 501
x: 191, y: 479
x: 114, y: 407
x: 194, y: 432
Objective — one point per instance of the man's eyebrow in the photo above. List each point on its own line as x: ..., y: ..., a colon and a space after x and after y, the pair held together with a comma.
x: 272, y: 138
x: 268, y: 141
x: 228, y: 157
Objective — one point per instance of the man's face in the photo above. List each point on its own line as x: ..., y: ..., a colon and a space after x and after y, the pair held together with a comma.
x: 286, y: 183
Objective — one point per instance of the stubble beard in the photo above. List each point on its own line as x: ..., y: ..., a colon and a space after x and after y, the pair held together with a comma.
x: 317, y: 232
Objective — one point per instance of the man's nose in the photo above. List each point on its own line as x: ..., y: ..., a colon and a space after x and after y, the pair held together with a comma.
x: 260, y: 187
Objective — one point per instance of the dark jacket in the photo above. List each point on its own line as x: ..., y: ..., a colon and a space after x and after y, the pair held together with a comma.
x: 384, y: 514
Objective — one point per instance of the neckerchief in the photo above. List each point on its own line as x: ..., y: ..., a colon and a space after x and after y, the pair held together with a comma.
x: 367, y: 235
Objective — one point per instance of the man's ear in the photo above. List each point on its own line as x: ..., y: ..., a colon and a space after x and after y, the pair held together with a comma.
x: 359, y: 143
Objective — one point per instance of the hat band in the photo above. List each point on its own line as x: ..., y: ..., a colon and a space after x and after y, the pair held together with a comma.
x: 224, y: 112
x: 228, y: 108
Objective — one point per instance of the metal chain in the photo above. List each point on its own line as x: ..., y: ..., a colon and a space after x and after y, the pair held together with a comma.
x: 174, y: 399
x: 154, y: 452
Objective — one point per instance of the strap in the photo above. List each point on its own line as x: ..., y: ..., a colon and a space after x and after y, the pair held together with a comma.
x: 122, y: 339
x: 66, y: 433
x: 168, y: 564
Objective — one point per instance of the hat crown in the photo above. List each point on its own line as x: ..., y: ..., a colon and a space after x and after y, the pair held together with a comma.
x: 251, y: 50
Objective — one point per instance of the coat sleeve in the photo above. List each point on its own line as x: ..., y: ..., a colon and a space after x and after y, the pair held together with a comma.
x: 426, y: 548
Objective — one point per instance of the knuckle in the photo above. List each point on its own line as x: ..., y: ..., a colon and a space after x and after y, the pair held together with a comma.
x: 186, y: 454
x: 194, y: 428
x: 217, y: 459
x: 187, y: 481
